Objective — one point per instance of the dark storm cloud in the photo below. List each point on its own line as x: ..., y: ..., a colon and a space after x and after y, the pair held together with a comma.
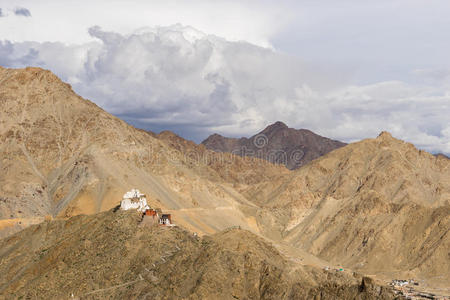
x: 22, y: 11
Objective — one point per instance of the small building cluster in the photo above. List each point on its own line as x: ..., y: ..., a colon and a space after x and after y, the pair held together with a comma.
x: 408, y: 289
x: 399, y: 282
x: 135, y: 200
x: 403, y: 282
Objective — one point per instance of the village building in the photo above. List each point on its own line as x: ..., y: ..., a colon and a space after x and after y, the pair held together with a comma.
x: 166, y: 219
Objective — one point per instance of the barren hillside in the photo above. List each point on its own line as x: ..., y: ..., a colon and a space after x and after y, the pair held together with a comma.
x: 378, y: 205
x: 110, y: 255
x: 62, y: 156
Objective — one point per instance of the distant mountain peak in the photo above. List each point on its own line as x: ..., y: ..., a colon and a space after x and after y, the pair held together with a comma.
x: 278, y: 124
x: 215, y: 135
x: 275, y: 127
x: 385, y: 135
x: 442, y: 155
x: 277, y: 143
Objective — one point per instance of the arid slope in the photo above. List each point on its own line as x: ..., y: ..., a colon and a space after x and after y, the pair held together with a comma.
x: 110, y: 255
x: 62, y: 155
x: 377, y: 205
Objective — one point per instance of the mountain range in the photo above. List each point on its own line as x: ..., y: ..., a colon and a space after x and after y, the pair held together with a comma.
x: 379, y: 206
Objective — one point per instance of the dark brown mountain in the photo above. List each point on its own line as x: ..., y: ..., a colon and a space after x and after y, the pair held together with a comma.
x: 278, y: 144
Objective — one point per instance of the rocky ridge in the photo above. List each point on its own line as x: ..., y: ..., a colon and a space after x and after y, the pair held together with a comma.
x: 379, y: 205
x: 110, y: 255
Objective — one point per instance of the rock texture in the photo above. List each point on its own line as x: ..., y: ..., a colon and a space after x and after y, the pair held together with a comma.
x: 442, y: 155
x: 109, y: 255
x: 61, y: 155
x: 379, y: 204
x: 277, y: 144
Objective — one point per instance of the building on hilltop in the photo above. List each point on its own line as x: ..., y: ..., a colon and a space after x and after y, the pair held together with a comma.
x: 166, y: 219
x: 134, y: 200
x: 151, y: 212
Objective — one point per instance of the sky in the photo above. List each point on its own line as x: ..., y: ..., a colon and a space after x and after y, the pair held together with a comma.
x: 344, y: 69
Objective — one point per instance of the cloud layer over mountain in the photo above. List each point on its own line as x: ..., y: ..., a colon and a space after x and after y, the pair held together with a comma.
x: 178, y: 78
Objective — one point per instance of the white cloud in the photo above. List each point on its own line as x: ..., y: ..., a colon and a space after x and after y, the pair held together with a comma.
x: 66, y: 21
x: 179, y: 78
